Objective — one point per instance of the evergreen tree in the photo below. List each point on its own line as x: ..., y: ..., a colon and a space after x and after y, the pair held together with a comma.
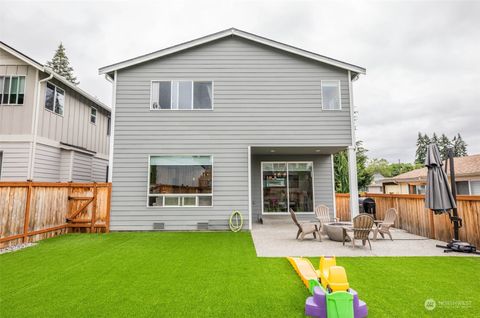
x: 434, y: 139
x: 340, y: 162
x: 443, y: 145
x: 459, y: 146
x: 422, y: 144
x: 61, y: 65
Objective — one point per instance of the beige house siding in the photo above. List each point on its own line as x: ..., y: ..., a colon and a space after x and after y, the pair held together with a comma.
x: 17, y: 119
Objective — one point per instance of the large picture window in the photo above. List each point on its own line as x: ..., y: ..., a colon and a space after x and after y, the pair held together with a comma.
x: 287, y: 185
x: 180, y: 181
x: 12, y: 90
x: 181, y: 95
x: 54, y: 99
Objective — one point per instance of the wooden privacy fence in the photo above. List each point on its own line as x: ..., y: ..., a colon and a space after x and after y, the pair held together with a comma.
x: 414, y: 218
x: 31, y: 211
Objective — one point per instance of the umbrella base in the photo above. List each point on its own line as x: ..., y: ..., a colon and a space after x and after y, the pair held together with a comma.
x: 459, y: 246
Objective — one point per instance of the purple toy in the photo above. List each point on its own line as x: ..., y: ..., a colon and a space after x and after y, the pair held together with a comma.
x: 316, y: 305
x: 360, y: 309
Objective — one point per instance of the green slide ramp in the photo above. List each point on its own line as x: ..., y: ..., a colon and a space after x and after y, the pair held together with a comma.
x: 340, y: 305
x: 311, y: 285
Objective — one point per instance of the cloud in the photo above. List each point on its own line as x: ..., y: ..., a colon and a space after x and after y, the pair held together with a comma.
x: 423, y: 71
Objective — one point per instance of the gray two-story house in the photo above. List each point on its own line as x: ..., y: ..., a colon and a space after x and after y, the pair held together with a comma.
x: 50, y: 129
x: 230, y: 121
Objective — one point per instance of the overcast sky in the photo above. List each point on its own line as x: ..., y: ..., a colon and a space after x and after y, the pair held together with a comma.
x: 422, y: 57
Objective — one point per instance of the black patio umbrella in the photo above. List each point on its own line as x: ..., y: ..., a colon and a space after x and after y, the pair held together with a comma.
x: 441, y: 196
x: 438, y: 195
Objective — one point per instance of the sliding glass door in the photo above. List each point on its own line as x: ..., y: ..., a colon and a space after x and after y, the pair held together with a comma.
x: 287, y: 185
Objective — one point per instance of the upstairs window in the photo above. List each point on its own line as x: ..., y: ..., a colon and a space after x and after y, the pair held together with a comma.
x: 12, y: 90
x: 181, y: 95
x: 54, y: 99
x: 331, y: 95
x: 93, y: 115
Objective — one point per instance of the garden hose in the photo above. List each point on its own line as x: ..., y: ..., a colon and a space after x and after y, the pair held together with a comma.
x: 236, y: 221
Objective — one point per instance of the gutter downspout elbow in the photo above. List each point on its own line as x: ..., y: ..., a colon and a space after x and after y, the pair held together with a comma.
x: 35, y: 124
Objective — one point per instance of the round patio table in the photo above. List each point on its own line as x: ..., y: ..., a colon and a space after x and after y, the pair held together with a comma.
x: 334, y: 230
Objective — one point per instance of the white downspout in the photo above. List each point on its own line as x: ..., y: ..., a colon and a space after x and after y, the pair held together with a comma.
x: 35, y: 125
x: 112, y: 125
x: 352, y: 158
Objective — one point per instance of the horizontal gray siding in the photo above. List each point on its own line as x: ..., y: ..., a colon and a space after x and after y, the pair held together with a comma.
x: 261, y: 97
x: 322, y: 177
x: 82, y: 167
x: 66, y: 158
x: 99, y: 169
x: 47, y: 163
x: 14, y: 161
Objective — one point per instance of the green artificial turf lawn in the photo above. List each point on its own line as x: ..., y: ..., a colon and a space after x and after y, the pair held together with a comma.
x: 212, y: 275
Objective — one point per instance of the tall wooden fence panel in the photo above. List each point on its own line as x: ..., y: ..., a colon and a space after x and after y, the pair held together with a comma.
x: 31, y: 211
x: 414, y: 218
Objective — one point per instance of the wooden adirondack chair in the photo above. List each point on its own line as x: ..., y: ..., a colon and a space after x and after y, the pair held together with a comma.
x: 322, y: 213
x: 383, y: 227
x: 305, y: 228
x: 362, y: 226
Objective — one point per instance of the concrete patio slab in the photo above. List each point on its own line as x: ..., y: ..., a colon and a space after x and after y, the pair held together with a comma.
x: 277, y: 239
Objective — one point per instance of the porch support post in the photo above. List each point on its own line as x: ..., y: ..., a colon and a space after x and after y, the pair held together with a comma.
x: 249, y: 188
x: 352, y: 181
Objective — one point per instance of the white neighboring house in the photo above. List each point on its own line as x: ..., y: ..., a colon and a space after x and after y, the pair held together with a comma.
x: 377, y: 184
x: 50, y: 129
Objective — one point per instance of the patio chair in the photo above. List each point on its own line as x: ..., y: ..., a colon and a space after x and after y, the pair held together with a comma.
x: 322, y: 214
x: 383, y: 227
x: 362, y: 226
x: 305, y: 228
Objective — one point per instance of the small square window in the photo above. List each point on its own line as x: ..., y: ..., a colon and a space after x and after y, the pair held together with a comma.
x: 172, y: 201
x: 155, y: 201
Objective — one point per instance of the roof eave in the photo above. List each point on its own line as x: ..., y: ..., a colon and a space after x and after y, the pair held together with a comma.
x: 215, y: 36
x: 76, y: 88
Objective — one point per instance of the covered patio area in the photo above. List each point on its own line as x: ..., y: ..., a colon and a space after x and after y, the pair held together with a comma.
x: 276, y: 238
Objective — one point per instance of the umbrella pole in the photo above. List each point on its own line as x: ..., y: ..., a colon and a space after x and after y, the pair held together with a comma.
x: 454, y: 218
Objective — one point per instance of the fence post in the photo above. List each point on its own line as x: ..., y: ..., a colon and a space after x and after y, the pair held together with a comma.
x: 26, y: 219
x: 109, y: 199
x: 94, y: 208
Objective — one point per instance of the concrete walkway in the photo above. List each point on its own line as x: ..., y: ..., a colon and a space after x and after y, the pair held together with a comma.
x: 276, y: 238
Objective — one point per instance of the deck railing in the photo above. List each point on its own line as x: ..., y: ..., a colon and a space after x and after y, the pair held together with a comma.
x: 31, y: 211
x: 414, y: 218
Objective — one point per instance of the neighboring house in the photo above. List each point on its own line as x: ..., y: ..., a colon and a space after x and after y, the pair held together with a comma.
x: 377, y: 184
x: 50, y: 129
x: 467, y: 178
x: 230, y: 121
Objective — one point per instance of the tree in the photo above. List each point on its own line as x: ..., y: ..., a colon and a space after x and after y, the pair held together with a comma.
x: 459, y: 146
x: 61, y: 65
x: 340, y: 161
x: 443, y: 145
x: 390, y: 170
x: 422, y: 143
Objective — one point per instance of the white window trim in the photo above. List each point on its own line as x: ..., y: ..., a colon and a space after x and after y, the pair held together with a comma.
x: 10, y: 83
x: 339, y: 94
x: 96, y: 111
x: 178, y: 194
x: 171, y: 95
x: 288, y: 192
x: 54, y: 98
